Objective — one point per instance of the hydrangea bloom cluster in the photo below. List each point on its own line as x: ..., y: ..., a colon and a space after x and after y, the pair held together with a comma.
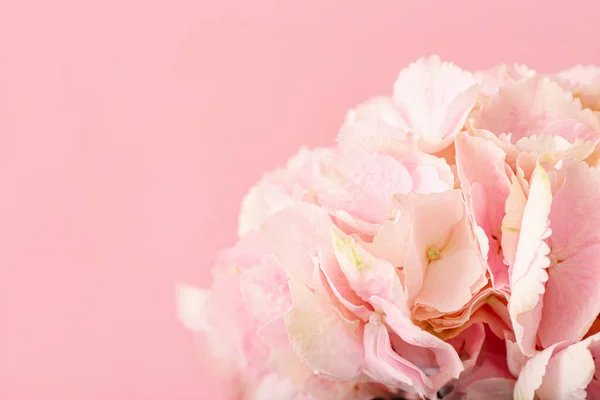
x: 447, y: 247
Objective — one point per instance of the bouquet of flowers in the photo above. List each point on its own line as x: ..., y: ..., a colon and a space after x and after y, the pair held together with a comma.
x: 447, y: 247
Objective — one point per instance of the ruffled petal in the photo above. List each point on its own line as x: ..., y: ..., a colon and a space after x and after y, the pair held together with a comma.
x: 384, y: 365
x: 584, y: 82
x: 568, y: 374
x: 532, y: 374
x: 434, y: 99
x: 529, y: 273
x: 529, y: 107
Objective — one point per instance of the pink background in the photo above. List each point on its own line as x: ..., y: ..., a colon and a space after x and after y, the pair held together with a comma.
x: 131, y: 129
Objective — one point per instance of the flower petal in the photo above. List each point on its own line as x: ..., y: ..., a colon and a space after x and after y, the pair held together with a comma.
x: 529, y: 273
x: 191, y: 307
x: 265, y: 290
x: 482, y: 174
x: 372, y: 126
x: 433, y: 218
x: 296, y: 248
x: 367, y: 275
x: 363, y: 185
x: 511, y: 223
x: 325, y: 342
x: 385, y: 366
x: 576, y: 210
x: 572, y: 285
x: 584, y: 82
x: 434, y: 99
x: 494, y: 78
x: 532, y: 374
x: 568, y: 373
x: 448, y: 361
x: 527, y: 107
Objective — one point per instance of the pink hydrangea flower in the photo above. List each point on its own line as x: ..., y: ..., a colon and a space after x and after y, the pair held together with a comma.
x: 447, y: 246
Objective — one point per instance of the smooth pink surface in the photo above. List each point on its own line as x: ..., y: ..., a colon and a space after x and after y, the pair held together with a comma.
x: 131, y: 129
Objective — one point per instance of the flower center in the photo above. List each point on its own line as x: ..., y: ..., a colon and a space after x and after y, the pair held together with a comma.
x: 433, y: 253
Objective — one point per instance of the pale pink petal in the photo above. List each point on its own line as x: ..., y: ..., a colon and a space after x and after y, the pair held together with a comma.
x: 296, y: 248
x: 575, y: 243
x: 426, y: 179
x: 584, y: 82
x: 372, y: 126
x: 581, y: 75
x: 262, y: 201
x: 532, y: 374
x: 246, y: 253
x: 553, y: 143
x: 447, y: 360
x: 434, y: 99
x: 572, y: 284
x: 230, y: 331
x: 421, y: 165
x: 324, y: 341
x: 516, y: 360
x: 265, y: 290
x: 385, y: 366
x: 568, y: 373
x: 511, y: 223
x: 482, y: 174
x: 355, y: 226
x: 593, y: 389
x: 390, y: 243
x: 363, y: 185
x: 280, y: 188
x: 441, y: 248
x: 527, y: 107
x: 491, y: 363
x: 468, y: 345
x: 337, y: 283
x: 483, y: 307
x: 525, y: 164
x: 367, y: 275
x: 191, y: 307
x: 576, y: 210
x: 432, y: 221
x: 285, y: 363
x: 448, y: 282
x: 492, y: 79
x: 529, y: 272
x: 274, y: 333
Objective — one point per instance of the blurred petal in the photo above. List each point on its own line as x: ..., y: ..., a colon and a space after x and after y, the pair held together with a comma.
x: 527, y: 107
x: 325, y: 342
x: 191, y: 307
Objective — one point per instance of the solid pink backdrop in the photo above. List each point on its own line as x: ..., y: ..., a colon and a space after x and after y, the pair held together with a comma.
x: 130, y: 131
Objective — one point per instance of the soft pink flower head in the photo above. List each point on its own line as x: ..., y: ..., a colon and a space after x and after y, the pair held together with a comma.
x: 447, y: 246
